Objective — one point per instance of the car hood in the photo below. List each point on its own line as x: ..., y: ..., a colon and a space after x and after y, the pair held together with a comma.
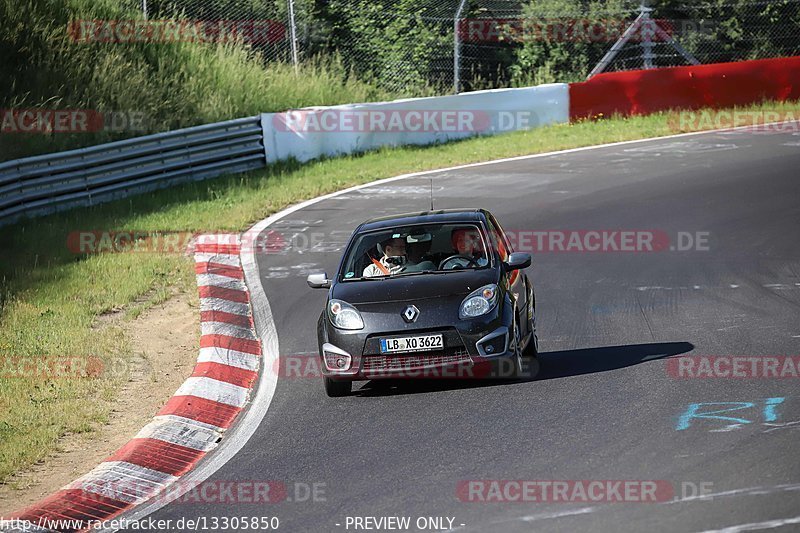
x: 410, y: 288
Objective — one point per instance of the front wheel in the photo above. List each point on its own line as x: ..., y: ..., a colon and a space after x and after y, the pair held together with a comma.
x: 529, y: 360
x: 337, y: 389
x: 532, y: 349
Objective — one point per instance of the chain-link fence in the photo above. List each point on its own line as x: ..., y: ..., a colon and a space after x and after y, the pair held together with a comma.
x: 418, y: 47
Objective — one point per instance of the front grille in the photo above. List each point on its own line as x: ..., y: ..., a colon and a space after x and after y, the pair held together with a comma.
x: 417, y: 361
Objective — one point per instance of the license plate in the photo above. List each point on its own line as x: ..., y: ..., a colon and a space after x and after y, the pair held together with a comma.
x: 412, y: 344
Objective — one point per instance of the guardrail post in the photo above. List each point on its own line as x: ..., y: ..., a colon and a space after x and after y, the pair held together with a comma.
x: 86, y: 182
x: 265, y: 133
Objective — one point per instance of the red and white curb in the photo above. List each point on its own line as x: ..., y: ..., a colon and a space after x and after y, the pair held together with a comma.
x: 192, y: 422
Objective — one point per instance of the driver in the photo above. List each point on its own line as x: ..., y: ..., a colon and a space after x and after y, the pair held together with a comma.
x: 468, y: 242
x: 393, y: 261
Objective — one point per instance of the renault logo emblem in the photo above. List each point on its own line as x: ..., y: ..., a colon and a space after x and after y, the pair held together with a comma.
x: 410, y: 314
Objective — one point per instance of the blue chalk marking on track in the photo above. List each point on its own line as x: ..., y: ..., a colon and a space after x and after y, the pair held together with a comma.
x: 684, y: 421
x: 769, y: 409
x: 693, y: 412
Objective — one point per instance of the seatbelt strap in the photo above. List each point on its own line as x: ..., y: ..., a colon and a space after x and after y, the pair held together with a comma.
x: 380, y: 266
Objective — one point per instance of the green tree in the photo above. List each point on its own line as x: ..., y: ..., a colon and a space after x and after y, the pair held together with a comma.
x: 403, y: 45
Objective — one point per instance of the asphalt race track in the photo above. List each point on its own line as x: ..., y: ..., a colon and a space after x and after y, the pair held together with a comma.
x: 605, y: 406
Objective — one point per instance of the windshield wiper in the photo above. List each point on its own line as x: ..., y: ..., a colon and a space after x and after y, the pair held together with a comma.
x: 366, y: 278
x: 401, y: 274
x: 407, y: 274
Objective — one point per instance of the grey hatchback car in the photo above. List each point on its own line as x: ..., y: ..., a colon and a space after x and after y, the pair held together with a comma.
x: 427, y: 295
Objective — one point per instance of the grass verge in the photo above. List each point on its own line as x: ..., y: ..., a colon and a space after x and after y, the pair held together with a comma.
x: 50, y: 298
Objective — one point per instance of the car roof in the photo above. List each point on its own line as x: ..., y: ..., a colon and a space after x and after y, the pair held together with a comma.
x: 424, y: 217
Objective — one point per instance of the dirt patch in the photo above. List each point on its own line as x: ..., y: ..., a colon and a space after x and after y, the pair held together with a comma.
x: 164, y: 341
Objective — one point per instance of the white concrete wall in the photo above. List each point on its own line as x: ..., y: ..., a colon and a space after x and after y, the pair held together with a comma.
x: 308, y: 133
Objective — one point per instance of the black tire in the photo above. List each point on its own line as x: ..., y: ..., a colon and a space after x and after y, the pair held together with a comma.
x: 532, y: 349
x: 337, y: 389
x: 518, y: 357
x: 530, y: 357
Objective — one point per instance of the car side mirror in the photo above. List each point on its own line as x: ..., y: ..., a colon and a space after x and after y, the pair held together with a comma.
x: 318, y: 281
x: 517, y: 261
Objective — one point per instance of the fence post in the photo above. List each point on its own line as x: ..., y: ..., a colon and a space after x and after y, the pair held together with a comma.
x: 457, y: 49
x: 293, y: 33
x: 646, y: 34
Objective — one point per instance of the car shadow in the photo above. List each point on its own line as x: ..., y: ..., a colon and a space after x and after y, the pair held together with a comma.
x: 554, y: 365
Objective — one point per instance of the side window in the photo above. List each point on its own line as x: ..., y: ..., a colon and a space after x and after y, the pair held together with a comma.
x: 499, y: 241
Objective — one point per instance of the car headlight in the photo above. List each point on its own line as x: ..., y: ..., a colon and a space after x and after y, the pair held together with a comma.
x: 479, y: 302
x: 344, y: 316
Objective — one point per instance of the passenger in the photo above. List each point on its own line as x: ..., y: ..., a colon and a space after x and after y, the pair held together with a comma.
x: 393, y: 261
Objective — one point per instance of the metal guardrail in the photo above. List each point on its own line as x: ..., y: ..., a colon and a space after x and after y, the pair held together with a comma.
x: 49, y: 183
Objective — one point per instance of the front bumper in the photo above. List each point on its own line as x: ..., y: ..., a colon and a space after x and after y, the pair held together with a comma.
x: 473, y: 354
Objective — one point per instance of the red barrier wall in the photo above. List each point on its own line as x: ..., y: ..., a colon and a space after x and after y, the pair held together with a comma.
x: 720, y: 85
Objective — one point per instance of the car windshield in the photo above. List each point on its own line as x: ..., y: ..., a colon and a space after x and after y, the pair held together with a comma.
x: 417, y: 250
